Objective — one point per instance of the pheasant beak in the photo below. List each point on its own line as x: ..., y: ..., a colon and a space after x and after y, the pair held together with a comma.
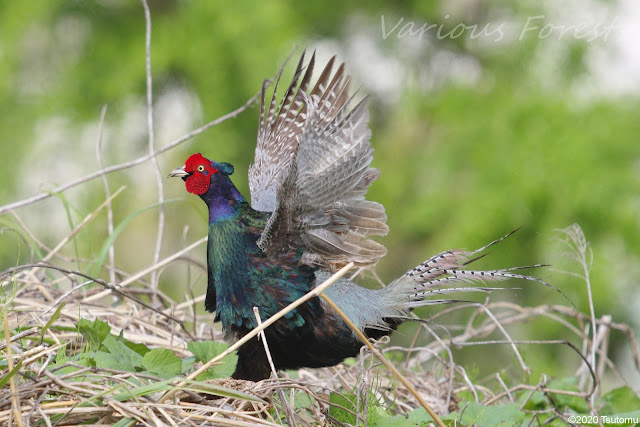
x: 179, y: 172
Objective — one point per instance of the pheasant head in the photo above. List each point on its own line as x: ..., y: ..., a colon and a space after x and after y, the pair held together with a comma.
x: 210, y: 180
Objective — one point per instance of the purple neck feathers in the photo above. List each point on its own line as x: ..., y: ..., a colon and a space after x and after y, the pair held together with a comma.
x: 222, y: 198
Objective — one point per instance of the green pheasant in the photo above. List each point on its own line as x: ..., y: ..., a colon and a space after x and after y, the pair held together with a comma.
x: 308, y: 217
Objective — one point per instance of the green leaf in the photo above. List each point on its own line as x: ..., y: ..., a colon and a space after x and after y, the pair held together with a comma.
x: 162, y: 362
x: 490, y: 416
x: 94, y: 332
x: 109, y: 361
x: 536, y: 401
x: 344, y: 407
x: 187, y: 364
x: 126, y: 422
x: 303, y: 400
x: 207, y: 350
x: 618, y: 400
x: 418, y: 417
x: 119, y: 356
x: 139, y: 348
x: 341, y: 406
x: 86, y: 358
x: 132, y: 393
x: 575, y: 403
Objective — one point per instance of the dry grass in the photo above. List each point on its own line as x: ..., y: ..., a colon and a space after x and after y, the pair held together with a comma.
x: 39, y: 329
x: 40, y: 391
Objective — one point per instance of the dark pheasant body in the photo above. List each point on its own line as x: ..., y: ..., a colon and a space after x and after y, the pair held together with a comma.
x: 308, y: 217
x: 241, y: 277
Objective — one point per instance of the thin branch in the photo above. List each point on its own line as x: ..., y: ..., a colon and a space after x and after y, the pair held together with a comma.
x: 16, y: 337
x: 506, y: 334
x: 107, y: 191
x: 15, y: 397
x: 126, y: 165
x: 144, y: 272
x: 78, y: 228
x: 111, y: 288
x: 154, y: 160
x: 256, y: 312
x: 288, y: 412
x: 383, y: 359
x: 537, y: 342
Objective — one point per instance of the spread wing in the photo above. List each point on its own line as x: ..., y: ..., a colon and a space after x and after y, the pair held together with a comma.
x: 279, y: 129
x: 319, y: 174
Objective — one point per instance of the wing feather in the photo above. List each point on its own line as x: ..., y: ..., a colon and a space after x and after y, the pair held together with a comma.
x: 278, y: 129
x: 312, y: 171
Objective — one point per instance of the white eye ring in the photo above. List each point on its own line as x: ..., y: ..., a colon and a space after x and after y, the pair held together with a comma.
x: 201, y: 168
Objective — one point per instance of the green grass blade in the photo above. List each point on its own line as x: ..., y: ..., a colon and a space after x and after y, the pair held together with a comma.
x: 143, y: 391
x: 53, y: 318
x: 125, y: 422
x: 10, y: 374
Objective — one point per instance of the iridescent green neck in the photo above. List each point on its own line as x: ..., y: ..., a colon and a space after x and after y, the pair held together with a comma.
x: 229, y: 255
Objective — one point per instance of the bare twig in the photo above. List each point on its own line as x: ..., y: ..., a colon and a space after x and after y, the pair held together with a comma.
x: 263, y: 337
x: 101, y: 282
x: 129, y: 164
x: 18, y: 336
x: 15, y: 398
x: 154, y: 160
x: 76, y: 230
x: 506, y: 334
x: 149, y: 269
x: 88, y: 381
x: 288, y: 412
x: 383, y: 359
x: 80, y: 226
x: 107, y: 191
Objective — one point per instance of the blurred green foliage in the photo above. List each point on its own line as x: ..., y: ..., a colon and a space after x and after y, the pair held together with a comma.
x: 463, y: 160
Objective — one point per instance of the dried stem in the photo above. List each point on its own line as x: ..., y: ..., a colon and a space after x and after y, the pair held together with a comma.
x: 154, y: 160
x: 15, y: 398
x: 144, y: 272
x: 107, y: 191
x: 288, y: 412
x: 386, y: 363
x: 129, y: 164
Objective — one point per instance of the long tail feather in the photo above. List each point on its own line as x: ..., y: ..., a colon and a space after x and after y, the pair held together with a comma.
x: 444, y: 274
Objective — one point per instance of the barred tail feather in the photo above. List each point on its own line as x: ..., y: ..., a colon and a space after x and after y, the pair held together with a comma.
x: 443, y: 274
x: 430, y: 283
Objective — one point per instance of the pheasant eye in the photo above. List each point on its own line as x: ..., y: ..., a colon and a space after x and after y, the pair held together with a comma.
x: 201, y: 168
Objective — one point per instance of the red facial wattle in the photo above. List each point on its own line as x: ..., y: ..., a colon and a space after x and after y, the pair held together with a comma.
x: 200, y: 171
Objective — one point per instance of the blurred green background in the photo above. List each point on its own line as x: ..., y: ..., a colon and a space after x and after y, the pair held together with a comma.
x: 478, y: 129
